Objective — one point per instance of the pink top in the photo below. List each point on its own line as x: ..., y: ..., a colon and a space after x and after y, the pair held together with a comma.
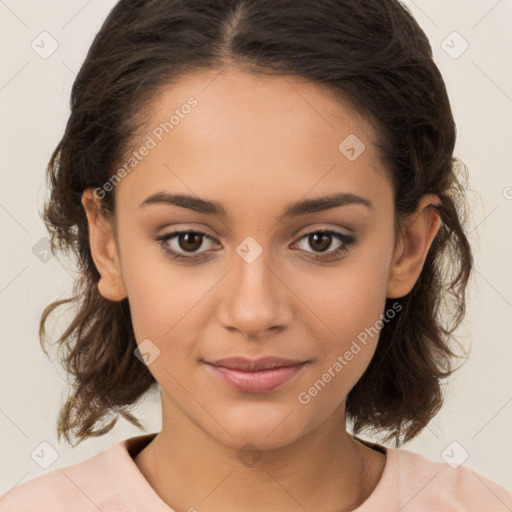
x: 110, y: 481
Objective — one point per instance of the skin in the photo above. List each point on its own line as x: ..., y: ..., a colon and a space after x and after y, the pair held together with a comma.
x: 256, y: 144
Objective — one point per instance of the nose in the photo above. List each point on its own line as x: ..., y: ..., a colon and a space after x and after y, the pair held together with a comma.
x: 256, y: 299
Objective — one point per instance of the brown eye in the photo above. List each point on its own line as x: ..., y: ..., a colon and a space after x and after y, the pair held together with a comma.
x: 189, y: 241
x: 179, y: 243
x: 321, y: 240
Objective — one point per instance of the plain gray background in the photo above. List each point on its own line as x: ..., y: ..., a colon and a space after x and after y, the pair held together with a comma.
x: 34, y: 94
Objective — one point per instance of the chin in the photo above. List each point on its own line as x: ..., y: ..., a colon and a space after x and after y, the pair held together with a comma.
x: 267, y: 431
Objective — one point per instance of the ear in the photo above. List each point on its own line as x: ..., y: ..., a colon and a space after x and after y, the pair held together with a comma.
x: 103, y: 249
x: 419, y: 231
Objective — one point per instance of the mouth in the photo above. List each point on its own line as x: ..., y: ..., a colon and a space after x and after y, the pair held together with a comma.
x: 258, y: 376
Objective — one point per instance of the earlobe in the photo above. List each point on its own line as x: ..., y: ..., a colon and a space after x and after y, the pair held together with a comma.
x: 103, y: 249
x: 419, y: 232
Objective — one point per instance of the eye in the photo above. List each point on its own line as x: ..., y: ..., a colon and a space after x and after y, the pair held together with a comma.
x: 322, y: 240
x: 186, y: 241
x: 178, y: 244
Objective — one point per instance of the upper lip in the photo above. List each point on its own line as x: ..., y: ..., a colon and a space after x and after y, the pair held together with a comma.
x: 264, y: 363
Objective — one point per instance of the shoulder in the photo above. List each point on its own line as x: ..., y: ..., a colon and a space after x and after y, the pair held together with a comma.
x: 425, y: 485
x: 84, y: 484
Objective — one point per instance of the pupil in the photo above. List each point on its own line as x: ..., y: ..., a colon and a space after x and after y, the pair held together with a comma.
x: 325, y: 241
x: 187, y: 245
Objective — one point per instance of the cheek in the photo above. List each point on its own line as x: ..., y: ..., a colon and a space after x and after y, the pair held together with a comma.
x: 348, y: 298
x: 351, y: 307
x: 152, y: 293
x: 161, y: 307
x: 166, y: 300
x: 347, y: 303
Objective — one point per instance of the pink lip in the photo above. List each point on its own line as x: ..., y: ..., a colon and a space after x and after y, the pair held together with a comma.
x: 256, y: 381
x: 249, y: 365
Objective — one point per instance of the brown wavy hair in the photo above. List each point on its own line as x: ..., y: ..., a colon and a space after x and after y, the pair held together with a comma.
x: 376, y: 57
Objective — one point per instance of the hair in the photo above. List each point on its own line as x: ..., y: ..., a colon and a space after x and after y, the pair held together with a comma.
x: 375, y: 56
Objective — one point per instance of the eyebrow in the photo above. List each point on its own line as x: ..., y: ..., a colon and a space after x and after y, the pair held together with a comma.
x: 293, y: 210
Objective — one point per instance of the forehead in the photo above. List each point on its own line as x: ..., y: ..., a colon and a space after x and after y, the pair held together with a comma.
x: 213, y: 134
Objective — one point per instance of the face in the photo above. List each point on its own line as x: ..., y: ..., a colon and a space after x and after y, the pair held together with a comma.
x: 257, y: 277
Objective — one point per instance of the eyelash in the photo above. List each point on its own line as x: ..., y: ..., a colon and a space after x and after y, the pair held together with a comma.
x: 335, y: 255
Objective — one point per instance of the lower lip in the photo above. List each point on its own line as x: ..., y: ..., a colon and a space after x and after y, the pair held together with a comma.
x: 256, y: 382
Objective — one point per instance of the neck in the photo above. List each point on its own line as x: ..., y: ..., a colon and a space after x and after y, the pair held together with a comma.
x: 325, y: 470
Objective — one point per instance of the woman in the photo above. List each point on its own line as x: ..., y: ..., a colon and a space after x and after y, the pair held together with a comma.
x: 264, y: 205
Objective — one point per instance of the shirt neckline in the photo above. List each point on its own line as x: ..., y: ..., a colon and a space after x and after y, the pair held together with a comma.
x: 132, y: 488
x: 137, y: 494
